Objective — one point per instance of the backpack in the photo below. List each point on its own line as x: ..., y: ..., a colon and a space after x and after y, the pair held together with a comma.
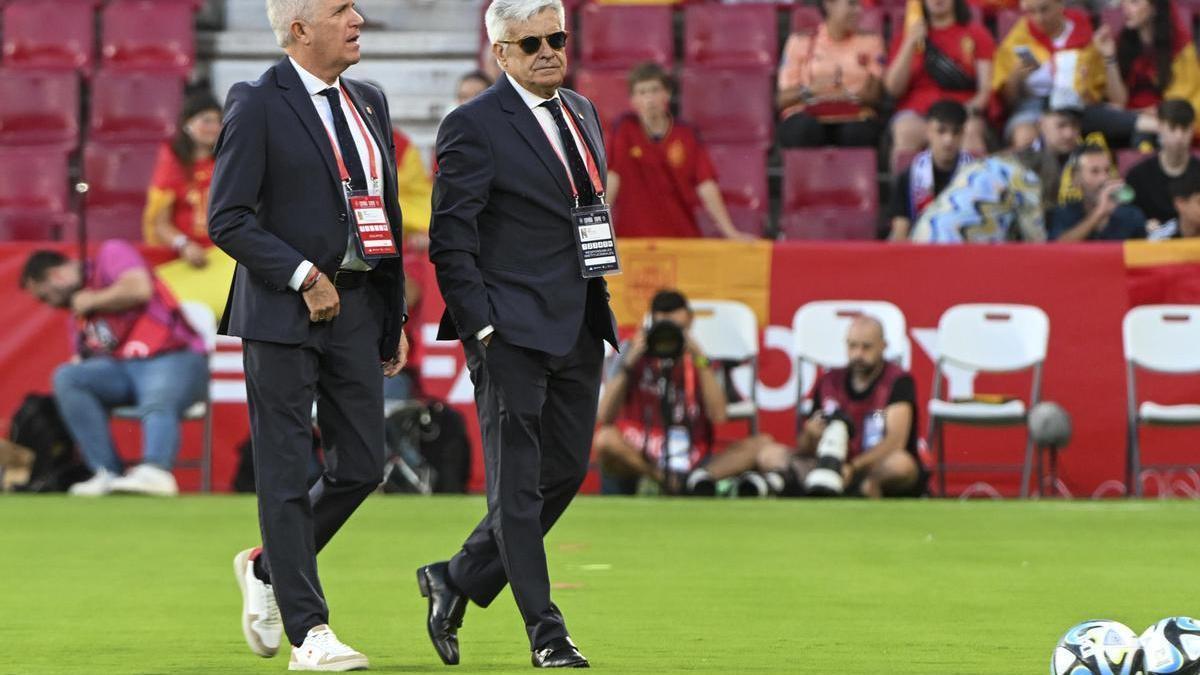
x: 37, y: 425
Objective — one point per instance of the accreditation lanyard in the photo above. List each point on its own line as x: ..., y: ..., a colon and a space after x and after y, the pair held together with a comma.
x: 337, y: 154
x: 593, y: 172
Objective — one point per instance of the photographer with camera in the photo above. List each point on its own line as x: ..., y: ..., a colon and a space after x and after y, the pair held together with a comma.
x: 861, y: 437
x: 1105, y: 211
x: 660, y: 402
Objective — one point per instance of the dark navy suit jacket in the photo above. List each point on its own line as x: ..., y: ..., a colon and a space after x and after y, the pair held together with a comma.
x: 276, y: 200
x: 501, y: 237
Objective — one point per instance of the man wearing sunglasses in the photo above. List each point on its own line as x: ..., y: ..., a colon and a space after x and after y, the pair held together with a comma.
x: 518, y: 166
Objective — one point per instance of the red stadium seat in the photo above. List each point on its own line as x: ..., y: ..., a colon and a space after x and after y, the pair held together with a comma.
x: 742, y: 175
x: 39, y: 107
x: 1114, y: 18
x: 61, y: 39
x: 23, y: 225
x: 1127, y: 158
x: 118, y: 175
x: 729, y: 105
x: 33, y: 180
x: 1005, y: 20
x: 621, y: 37
x: 121, y: 222
x: 128, y: 106
x: 608, y: 90
x: 731, y: 35
x: 829, y: 193
x: 149, y: 35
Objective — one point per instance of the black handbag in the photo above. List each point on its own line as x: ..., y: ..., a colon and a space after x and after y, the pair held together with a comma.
x: 946, y: 71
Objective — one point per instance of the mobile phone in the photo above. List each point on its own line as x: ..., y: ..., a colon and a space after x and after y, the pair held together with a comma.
x: 1026, y: 54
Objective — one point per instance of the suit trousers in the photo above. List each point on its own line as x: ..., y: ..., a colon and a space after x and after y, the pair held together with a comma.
x: 338, y: 365
x: 536, y: 416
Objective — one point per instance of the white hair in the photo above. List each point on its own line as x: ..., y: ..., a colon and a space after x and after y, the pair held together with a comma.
x: 502, y: 13
x: 281, y: 14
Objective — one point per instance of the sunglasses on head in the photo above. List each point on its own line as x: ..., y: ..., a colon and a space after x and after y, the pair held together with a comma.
x: 531, y: 44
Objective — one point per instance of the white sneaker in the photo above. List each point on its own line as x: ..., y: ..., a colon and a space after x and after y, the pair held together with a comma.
x: 323, y: 651
x: 260, y: 615
x: 98, y: 485
x: 145, y: 479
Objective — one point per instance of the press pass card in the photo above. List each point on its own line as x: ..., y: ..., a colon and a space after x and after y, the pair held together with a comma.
x: 595, y: 242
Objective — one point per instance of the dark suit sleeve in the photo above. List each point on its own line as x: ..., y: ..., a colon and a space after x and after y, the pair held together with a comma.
x: 241, y: 155
x: 460, y: 193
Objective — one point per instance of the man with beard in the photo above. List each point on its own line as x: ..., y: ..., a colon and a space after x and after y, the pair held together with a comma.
x: 877, y: 402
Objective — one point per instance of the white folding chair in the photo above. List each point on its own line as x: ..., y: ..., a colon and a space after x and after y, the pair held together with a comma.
x: 819, y: 338
x: 990, y: 339
x: 1163, y: 339
x: 727, y: 331
x: 200, y: 317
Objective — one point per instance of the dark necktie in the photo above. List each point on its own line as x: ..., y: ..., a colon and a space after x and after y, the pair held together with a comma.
x: 579, y: 172
x: 358, y: 180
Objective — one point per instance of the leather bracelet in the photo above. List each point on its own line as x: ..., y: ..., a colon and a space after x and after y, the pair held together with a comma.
x: 311, y: 281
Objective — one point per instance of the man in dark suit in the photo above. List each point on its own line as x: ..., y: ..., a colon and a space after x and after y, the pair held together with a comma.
x: 513, y: 164
x: 304, y: 161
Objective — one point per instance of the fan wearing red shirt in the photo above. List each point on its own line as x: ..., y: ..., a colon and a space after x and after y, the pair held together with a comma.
x: 659, y: 168
x: 940, y: 54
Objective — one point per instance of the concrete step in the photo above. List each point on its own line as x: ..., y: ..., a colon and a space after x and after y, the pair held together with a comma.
x: 412, y: 15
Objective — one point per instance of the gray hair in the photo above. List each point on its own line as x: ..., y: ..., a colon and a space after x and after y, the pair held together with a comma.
x: 502, y: 13
x: 281, y: 14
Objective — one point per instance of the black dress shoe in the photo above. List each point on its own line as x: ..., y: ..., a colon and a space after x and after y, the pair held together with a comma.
x: 559, y: 653
x: 447, y: 605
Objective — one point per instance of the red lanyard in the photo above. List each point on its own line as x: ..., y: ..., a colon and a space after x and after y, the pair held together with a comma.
x: 366, y: 141
x: 593, y: 172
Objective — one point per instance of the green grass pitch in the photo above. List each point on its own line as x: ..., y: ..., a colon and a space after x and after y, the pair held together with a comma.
x: 127, y: 585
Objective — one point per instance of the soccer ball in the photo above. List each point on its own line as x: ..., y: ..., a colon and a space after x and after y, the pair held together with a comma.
x: 1172, y: 647
x: 1098, y: 648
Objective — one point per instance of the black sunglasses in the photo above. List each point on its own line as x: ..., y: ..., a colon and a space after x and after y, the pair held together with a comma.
x: 532, y: 44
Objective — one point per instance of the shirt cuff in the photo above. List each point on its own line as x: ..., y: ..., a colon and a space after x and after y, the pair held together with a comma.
x: 484, y: 332
x: 299, y: 275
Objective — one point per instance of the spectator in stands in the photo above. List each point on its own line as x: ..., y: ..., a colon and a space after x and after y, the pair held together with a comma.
x: 1151, y: 60
x: 1151, y: 178
x: 990, y: 201
x: 635, y: 440
x: 135, y: 348
x: 880, y: 401
x: 176, y: 212
x: 831, y: 82
x: 940, y: 54
x: 1104, y: 212
x: 471, y: 85
x: 1046, y: 61
x: 659, y: 173
x: 931, y: 170
x: 1185, y: 191
x: 1060, y: 137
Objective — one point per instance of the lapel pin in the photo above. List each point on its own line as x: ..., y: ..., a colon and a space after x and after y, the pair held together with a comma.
x: 369, y: 111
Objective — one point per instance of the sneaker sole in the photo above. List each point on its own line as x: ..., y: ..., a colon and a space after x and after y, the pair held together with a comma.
x: 239, y: 572
x: 354, y: 664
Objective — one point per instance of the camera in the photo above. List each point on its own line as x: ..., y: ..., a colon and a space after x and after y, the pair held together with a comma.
x: 664, y: 340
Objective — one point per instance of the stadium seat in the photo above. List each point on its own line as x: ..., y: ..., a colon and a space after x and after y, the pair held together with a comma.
x: 23, y: 225
x: 35, y: 39
x: 33, y: 179
x: 608, y: 90
x: 1005, y: 20
x: 987, y: 338
x: 39, y: 107
x: 829, y: 193
x: 1163, y: 339
x: 149, y: 35
x: 742, y: 176
x: 118, y: 176
x: 819, y: 339
x: 727, y: 332
x: 731, y: 35
x: 129, y: 106
x: 1114, y: 18
x: 1127, y: 158
x: 621, y: 37
x: 704, y: 101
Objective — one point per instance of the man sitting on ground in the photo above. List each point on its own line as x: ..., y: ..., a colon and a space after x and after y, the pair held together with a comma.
x: 873, y: 402
x: 931, y: 170
x: 135, y: 348
x: 635, y: 440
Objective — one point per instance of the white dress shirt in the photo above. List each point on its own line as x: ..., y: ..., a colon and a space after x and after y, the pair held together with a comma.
x: 546, y: 120
x: 314, y: 85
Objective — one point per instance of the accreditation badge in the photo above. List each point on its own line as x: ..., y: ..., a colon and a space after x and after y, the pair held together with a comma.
x: 594, y: 241
x: 371, y: 227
